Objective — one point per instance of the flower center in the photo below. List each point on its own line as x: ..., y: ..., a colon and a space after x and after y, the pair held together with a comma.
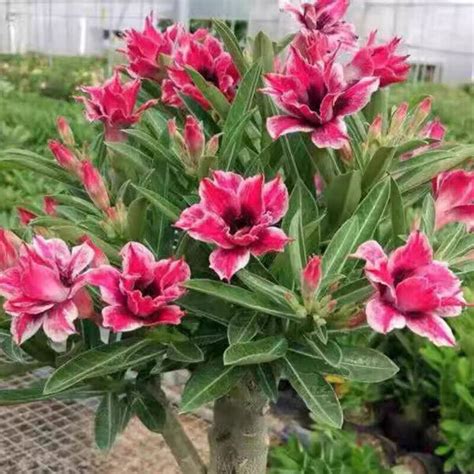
x: 209, y: 75
x: 315, y: 96
x: 238, y: 222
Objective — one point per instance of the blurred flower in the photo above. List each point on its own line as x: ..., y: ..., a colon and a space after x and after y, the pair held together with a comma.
x: 204, y: 53
x: 379, y: 61
x: 65, y: 131
x: 94, y: 185
x: 140, y: 294
x: 316, y: 99
x: 325, y: 17
x: 144, y: 49
x: 64, y: 156
x: 238, y: 216
x: 25, y: 215
x: 113, y: 103
x: 412, y: 290
x: 454, y: 194
x: 10, y: 245
x: 39, y: 289
x: 49, y: 205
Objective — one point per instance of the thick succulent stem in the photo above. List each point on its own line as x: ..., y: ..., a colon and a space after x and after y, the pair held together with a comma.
x: 177, y: 440
x: 238, y: 438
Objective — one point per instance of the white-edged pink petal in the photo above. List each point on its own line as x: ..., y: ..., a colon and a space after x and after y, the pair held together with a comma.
x: 59, y: 321
x: 383, y: 317
x: 120, y: 319
x: 107, y: 278
x: 25, y: 326
x: 270, y: 239
x: 434, y: 328
x: 330, y: 135
x: 275, y: 199
x: 283, y: 124
x: 227, y: 262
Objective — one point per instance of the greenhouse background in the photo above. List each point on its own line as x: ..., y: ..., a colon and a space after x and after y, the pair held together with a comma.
x: 438, y: 34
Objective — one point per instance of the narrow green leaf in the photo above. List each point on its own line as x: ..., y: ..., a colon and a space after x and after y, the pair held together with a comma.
x: 397, y: 211
x: 317, y: 394
x: 256, y: 352
x: 100, y: 361
x: 377, y: 167
x: 185, y: 352
x: 107, y: 421
x: 296, y: 248
x: 428, y: 215
x: 150, y: 411
x: 210, y: 381
x: 231, y: 43
x: 207, y: 306
x: 338, y: 250
x: 239, y: 296
x: 450, y: 240
x: 263, y: 51
x: 210, y: 126
x: 353, y: 292
x: 342, y: 196
x: 330, y: 352
x: 210, y: 92
x: 162, y: 204
x: 267, y: 381
x: 242, y: 328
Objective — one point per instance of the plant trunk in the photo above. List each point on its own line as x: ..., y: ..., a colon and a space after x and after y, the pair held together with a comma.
x: 238, y: 438
x: 177, y: 440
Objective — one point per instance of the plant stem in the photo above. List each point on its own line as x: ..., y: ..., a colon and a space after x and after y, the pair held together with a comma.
x: 177, y: 440
x: 238, y: 438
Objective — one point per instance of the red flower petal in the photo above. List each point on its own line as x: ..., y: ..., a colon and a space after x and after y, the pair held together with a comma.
x: 270, y: 239
x: 434, y: 328
x: 226, y: 262
x: 415, y: 253
x: 275, y: 198
x: 330, y: 135
x: 120, y: 319
x: 415, y: 294
x: 59, y: 321
x: 383, y: 317
x: 282, y: 124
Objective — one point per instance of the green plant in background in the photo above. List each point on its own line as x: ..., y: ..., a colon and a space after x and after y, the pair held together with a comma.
x: 328, y: 452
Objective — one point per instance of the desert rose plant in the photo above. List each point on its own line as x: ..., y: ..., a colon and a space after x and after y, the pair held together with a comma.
x: 241, y: 211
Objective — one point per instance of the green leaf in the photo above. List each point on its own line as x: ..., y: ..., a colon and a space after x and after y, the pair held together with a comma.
x: 330, y: 352
x: 17, y: 368
x: 231, y: 43
x: 256, y: 352
x: 422, y: 168
x: 279, y: 294
x: 211, y: 93
x: 296, y: 248
x: 342, y: 196
x: 317, y: 394
x: 428, y: 215
x: 207, y: 306
x: 210, y: 126
x: 239, y: 296
x: 136, y: 218
x: 450, y: 239
x: 377, y: 167
x: 107, y: 421
x: 210, y: 381
x: 397, y: 211
x: 338, y: 250
x: 242, y: 328
x: 100, y: 361
x: 267, y: 381
x: 162, y: 204
x: 185, y: 352
x: 367, y: 365
x: 353, y: 293
x: 131, y: 155
x: 263, y: 51
x: 150, y: 412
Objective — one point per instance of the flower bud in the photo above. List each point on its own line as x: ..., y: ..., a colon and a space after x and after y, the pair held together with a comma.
x: 94, y: 185
x: 9, y: 248
x: 64, y: 156
x: 25, y: 215
x: 398, y: 119
x: 65, y: 131
x: 310, y: 278
x: 318, y: 184
x: 172, y: 128
x: 434, y: 130
x: 49, y: 205
x: 375, y: 129
x: 346, y: 152
x: 421, y: 113
x: 212, y: 146
x: 194, y: 138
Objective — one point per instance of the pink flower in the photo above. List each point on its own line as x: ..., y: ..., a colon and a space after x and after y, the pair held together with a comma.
x: 64, y: 156
x: 325, y: 17
x: 113, y: 103
x: 49, y: 205
x: 454, y: 194
x: 65, y: 131
x: 434, y: 130
x: 379, y: 61
x: 412, y: 290
x: 140, y: 294
x: 94, y: 185
x: 25, y: 215
x: 40, y: 288
x: 204, y: 53
x: 311, y: 277
x: 238, y: 216
x: 316, y: 98
x: 143, y: 49
x: 9, y: 248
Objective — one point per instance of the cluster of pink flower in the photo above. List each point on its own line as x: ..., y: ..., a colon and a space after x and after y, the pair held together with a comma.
x: 44, y: 282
